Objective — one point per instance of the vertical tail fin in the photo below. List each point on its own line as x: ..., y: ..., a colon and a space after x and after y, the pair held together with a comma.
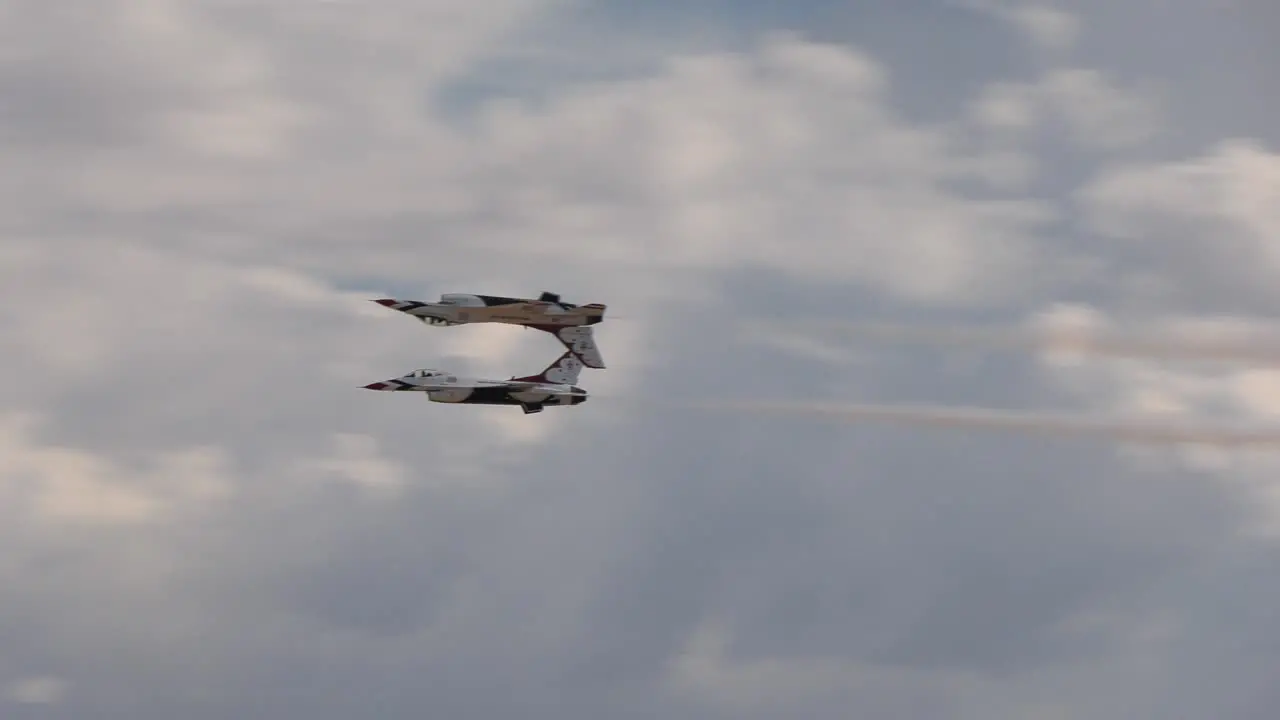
x: 579, y: 340
x: 564, y: 371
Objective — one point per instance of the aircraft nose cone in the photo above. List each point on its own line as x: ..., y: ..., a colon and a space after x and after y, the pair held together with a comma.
x: 375, y: 386
x: 386, y: 302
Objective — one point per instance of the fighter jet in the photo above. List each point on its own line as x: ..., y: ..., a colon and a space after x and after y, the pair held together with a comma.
x: 569, y: 323
x: 554, y: 386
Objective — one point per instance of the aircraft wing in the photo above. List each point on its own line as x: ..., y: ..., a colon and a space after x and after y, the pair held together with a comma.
x: 525, y: 385
x: 432, y: 384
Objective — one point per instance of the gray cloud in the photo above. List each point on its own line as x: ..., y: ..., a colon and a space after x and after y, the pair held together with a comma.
x: 205, y: 517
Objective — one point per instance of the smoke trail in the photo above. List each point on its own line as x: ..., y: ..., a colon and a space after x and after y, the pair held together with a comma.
x: 1130, y: 430
x: 1182, y: 346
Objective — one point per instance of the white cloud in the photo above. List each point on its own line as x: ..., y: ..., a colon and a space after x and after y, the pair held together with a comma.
x: 1206, y: 226
x: 203, y: 191
x: 1046, y: 26
x: 205, y: 95
x: 1066, y: 329
x: 1188, y: 384
x: 68, y: 484
x: 709, y: 672
x: 791, y: 159
x: 358, y: 459
x: 38, y: 691
x: 1084, y: 105
x: 1007, y: 106
x: 1099, y: 114
x: 1234, y: 187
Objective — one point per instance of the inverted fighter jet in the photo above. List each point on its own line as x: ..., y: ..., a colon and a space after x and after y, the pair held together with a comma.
x: 553, y: 386
x: 569, y: 323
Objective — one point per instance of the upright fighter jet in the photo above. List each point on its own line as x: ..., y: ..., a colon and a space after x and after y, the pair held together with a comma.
x: 553, y: 387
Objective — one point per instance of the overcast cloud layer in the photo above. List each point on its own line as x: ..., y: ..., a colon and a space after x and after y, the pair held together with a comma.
x: 202, y: 515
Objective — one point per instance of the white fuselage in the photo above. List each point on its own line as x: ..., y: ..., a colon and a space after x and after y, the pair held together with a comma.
x: 462, y: 309
x: 443, y: 387
x: 499, y: 396
x: 570, y: 324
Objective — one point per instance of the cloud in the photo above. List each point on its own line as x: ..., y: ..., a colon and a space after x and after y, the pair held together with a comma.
x: 1217, y: 372
x: 1124, y: 430
x: 1207, y: 223
x: 1044, y: 25
x: 356, y: 459
x: 790, y: 159
x: 1083, y: 104
x: 38, y: 691
x: 66, y: 484
x: 1048, y: 26
x: 1062, y: 332
x: 708, y: 672
x: 202, y: 503
x: 197, y: 96
x: 662, y: 157
x: 1192, y: 385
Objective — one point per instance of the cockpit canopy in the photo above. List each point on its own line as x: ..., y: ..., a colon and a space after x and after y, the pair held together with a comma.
x: 436, y: 376
x: 461, y: 300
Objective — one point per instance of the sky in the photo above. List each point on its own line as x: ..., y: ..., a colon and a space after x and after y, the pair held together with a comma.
x: 204, y: 516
